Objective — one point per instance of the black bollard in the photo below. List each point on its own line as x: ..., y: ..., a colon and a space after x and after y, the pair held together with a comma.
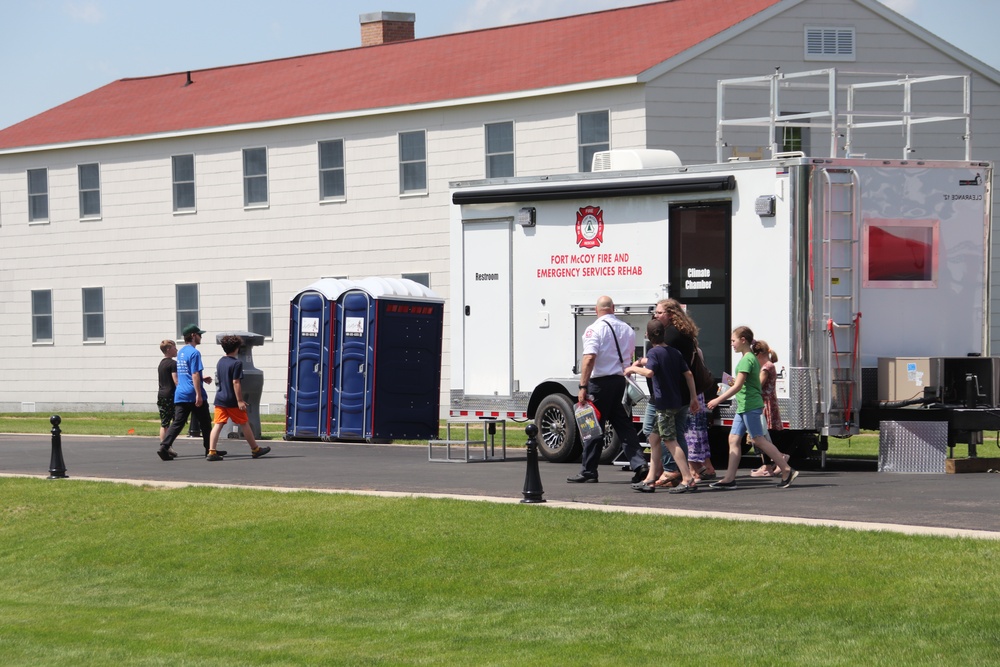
x: 532, y: 480
x: 57, y: 468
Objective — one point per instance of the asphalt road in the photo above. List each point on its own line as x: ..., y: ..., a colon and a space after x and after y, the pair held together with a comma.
x: 869, y: 499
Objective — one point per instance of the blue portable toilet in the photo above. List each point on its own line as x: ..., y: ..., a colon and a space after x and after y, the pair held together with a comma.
x: 364, y: 361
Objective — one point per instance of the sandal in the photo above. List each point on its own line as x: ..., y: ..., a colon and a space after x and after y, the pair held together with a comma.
x: 707, y: 474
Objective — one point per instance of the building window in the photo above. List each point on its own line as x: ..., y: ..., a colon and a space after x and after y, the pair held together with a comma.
x: 254, y: 176
x: 790, y: 138
x: 187, y: 306
x: 829, y: 43
x: 499, y: 149
x: 595, y: 136
x: 259, y: 307
x: 93, y: 314
x: 38, y: 195
x: 89, y: 176
x: 412, y: 161
x: 331, y: 170
x: 183, y: 176
x: 419, y: 278
x: 41, y: 316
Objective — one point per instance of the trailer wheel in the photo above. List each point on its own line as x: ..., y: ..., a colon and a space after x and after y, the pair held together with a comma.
x: 558, y: 438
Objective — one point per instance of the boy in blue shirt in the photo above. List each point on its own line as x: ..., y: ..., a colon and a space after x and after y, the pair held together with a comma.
x: 189, y: 395
x: 673, y: 386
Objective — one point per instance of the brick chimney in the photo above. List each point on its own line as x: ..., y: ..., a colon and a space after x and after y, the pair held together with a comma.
x: 384, y: 27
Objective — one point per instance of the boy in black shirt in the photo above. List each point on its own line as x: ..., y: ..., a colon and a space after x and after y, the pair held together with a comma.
x: 673, y: 387
x: 229, y: 403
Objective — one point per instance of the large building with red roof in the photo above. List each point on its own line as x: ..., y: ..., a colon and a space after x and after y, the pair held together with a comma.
x: 213, y: 196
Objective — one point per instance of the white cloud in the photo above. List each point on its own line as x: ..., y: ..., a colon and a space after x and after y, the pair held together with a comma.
x: 84, y: 12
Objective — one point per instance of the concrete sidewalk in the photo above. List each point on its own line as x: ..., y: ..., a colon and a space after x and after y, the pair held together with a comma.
x: 961, y: 505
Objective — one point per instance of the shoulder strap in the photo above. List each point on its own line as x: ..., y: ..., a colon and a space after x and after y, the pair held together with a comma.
x: 618, y: 347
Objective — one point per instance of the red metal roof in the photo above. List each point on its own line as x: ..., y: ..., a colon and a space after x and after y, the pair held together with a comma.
x: 558, y: 52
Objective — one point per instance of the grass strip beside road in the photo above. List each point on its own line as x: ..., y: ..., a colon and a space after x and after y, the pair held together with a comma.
x: 103, y: 573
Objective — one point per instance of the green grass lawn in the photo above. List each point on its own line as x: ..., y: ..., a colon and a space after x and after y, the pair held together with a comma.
x: 103, y: 573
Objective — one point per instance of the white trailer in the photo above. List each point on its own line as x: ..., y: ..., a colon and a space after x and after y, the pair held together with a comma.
x: 836, y: 262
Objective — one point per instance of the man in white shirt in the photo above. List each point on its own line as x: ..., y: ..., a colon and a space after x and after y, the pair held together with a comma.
x: 608, y: 347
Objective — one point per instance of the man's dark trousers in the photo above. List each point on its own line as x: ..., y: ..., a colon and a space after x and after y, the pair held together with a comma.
x: 608, y: 392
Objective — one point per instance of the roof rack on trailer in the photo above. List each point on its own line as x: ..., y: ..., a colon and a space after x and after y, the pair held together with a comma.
x: 841, y: 123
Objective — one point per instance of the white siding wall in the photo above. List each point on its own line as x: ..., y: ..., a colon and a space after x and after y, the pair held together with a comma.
x: 139, y: 249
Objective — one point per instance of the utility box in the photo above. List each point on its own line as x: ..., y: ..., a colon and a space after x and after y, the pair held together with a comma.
x: 253, y: 378
x: 364, y: 361
x: 903, y: 378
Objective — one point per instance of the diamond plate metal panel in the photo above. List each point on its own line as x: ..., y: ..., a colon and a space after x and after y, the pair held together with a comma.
x: 802, y: 412
x: 912, y: 446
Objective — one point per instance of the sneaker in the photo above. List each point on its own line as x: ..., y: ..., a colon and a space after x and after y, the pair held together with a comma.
x: 220, y: 452
x: 172, y: 453
x: 217, y: 456
x: 582, y: 479
x: 787, y: 481
x: 723, y: 485
x: 260, y: 452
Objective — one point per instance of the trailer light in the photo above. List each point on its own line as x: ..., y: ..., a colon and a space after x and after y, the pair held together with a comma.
x: 526, y: 216
x: 764, y: 206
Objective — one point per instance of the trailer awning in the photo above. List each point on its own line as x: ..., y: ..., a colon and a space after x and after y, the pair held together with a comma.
x: 556, y: 191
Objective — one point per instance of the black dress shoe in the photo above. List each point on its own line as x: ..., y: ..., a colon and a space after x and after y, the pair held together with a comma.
x: 639, y: 474
x: 164, y: 454
x: 582, y: 479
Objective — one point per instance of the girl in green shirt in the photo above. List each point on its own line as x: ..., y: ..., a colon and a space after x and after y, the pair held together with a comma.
x: 749, y: 409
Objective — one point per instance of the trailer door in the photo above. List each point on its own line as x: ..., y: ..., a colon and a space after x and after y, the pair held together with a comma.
x: 487, y: 287
x: 699, y: 274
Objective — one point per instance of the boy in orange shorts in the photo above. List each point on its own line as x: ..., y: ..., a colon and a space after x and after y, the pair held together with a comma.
x: 229, y: 403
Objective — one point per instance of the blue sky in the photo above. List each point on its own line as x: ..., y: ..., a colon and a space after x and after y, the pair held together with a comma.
x: 54, y: 50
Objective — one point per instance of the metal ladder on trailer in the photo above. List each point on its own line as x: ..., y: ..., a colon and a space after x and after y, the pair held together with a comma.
x: 840, y: 372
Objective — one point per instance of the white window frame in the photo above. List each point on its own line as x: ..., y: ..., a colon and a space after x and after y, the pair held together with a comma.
x: 253, y: 309
x: 186, y: 316
x: 928, y: 229
x: 42, y: 195
x: 90, y: 189
x: 92, y: 314
x: 327, y: 170
x: 488, y: 170
x: 177, y: 182
x: 254, y: 179
x: 829, y: 43
x: 38, y: 316
x: 586, y: 149
x: 411, y: 162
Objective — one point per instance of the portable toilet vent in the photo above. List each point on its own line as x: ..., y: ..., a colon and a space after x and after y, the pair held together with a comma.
x: 364, y: 361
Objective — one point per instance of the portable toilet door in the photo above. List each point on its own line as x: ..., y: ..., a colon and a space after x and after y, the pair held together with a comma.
x: 354, y: 367
x: 311, y: 339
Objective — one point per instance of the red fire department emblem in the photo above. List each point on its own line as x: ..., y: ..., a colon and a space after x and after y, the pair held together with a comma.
x: 590, y: 227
